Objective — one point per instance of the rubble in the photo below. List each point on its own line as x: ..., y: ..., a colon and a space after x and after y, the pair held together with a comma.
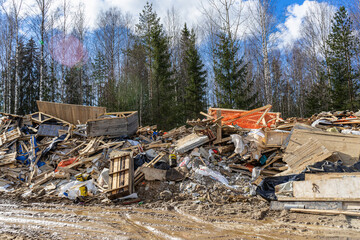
x: 229, y: 156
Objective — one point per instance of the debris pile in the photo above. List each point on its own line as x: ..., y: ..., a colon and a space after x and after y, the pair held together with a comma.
x: 228, y: 156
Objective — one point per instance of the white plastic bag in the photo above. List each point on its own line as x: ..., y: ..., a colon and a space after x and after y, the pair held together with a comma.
x: 205, y: 171
x: 71, y: 189
x: 104, y: 177
x: 239, y: 144
x: 349, y: 131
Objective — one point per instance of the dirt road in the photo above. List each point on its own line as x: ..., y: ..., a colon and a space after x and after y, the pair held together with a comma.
x: 60, y: 221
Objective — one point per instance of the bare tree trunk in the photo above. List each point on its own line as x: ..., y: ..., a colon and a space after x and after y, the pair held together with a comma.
x: 65, y: 9
x: 43, y: 6
x: 263, y: 23
x: 265, y: 32
x: 17, y: 77
x: 225, y: 15
x: 267, y: 77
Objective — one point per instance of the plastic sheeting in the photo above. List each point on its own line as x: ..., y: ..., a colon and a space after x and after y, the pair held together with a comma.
x: 239, y: 144
x: 266, y: 188
x: 71, y: 190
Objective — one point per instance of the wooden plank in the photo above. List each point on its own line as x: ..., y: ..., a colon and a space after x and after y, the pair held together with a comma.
x: 317, y: 176
x: 326, y: 212
x: 307, y: 154
x: 206, y: 115
x: 346, y: 145
x: 346, y: 187
x: 9, y: 136
x: 70, y: 112
x: 263, y: 115
x: 293, y: 199
x: 7, y: 159
x: 113, y: 126
x: 218, y: 128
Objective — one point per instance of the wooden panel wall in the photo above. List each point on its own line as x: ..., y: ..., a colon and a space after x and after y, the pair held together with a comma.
x: 71, y: 112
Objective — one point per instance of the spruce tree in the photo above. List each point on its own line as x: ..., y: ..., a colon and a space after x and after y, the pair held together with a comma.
x: 160, y: 82
x: 342, y: 47
x: 99, y: 76
x: 30, y: 73
x: 194, y: 75
x: 318, y: 99
x: 182, y: 75
x: 164, y: 94
x: 137, y: 74
x: 230, y: 75
x: 72, y: 85
x: 149, y: 23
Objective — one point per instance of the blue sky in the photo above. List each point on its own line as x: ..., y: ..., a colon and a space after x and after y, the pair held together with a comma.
x: 289, y: 18
x: 281, y: 6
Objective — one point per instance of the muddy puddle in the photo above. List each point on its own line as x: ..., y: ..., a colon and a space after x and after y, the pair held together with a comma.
x: 60, y: 221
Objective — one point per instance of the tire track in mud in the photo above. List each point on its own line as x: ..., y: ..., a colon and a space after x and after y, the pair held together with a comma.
x: 232, y: 228
x: 155, y: 233
x: 60, y: 221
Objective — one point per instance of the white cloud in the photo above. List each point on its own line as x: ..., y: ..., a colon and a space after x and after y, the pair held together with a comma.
x: 188, y: 9
x: 189, y: 12
x: 290, y: 30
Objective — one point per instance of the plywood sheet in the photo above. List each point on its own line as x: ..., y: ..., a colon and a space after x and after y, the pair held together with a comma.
x: 304, y: 155
x: 346, y: 145
x: 51, y: 130
x: 117, y: 126
x: 345, y: 187
x: 70, y: 112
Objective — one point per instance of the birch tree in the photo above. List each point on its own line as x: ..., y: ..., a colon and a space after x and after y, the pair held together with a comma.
x: 262, y: 26
x: 43, y: 10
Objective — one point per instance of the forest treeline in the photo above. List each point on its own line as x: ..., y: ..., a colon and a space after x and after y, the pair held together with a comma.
x: 168, y: 70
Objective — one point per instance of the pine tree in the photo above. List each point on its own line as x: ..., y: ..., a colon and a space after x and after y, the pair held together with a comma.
x: 230, y: 76
x: 194, y: 76
x: 342, y: 47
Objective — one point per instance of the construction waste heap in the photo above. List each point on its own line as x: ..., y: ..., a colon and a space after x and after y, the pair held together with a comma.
x: 88, y: 155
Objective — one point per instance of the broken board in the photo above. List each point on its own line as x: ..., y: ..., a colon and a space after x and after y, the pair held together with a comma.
x: 125, y: 123
x: 121, y: 175
x: 304, y: 155
x: 51, y: 130
x: 9, y: 136
x: 190, y: 142
x: 346, y: 145
x: 275, y: 138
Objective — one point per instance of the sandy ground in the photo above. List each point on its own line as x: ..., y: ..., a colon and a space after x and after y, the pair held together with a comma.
x: 248, y: 219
